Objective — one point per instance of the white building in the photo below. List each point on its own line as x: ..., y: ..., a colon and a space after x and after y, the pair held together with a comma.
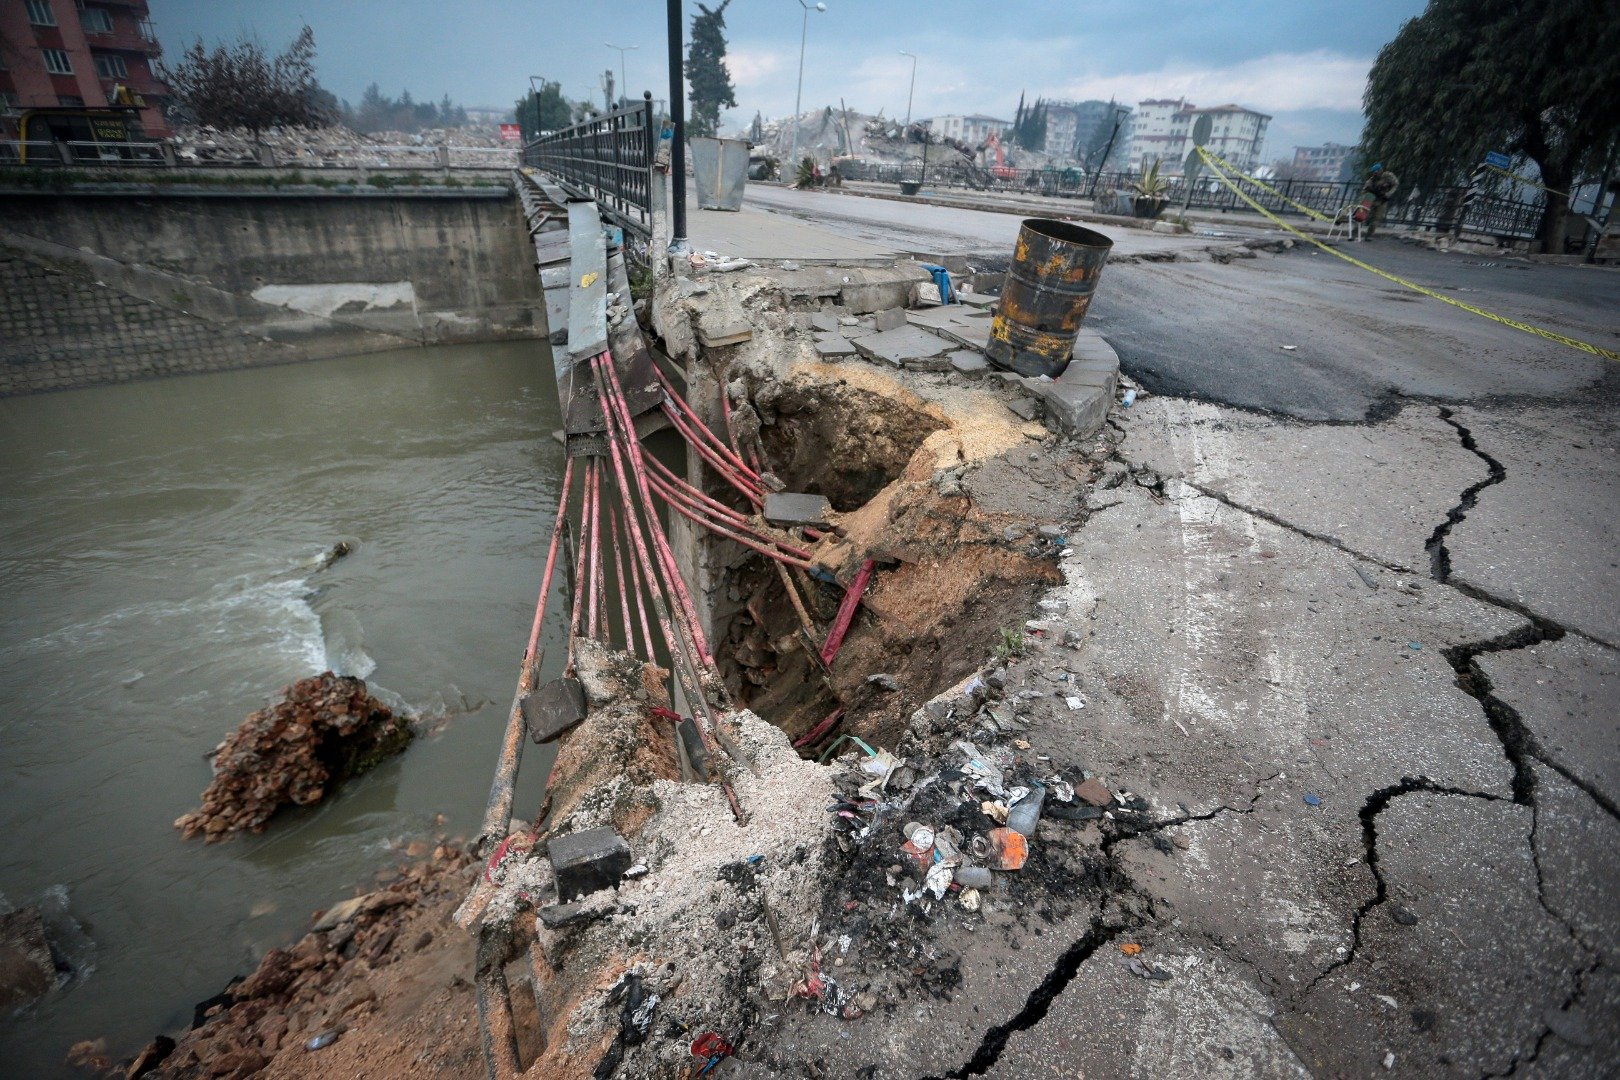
x: 1163, y: 130
x: 969, y: 129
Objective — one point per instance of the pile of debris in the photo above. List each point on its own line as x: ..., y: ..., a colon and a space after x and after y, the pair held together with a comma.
x: 336, y: 146
x: 325, y: 729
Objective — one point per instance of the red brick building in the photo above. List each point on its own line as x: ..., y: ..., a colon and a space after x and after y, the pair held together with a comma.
x: 77, y: 52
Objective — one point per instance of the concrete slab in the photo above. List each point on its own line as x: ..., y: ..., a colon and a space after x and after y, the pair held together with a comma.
x: 755, y: 234
x: 1578, y: 845
x: 587, y: 861
x: 1379, y: 489
x: 1544, y: 536
x: 1567, y: 693
x: 833, y: 347
x: 824, y: 321
x: 553, y: 708
x: 897, y: 346
x: 889, y: 319
x: 969, y: 363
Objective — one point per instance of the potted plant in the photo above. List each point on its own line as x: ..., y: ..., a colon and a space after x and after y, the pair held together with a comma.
x: 1151, y: 191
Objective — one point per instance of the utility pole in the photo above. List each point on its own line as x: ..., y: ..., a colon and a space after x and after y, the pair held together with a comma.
x: 798, y: 94
x: 677, y: 122
x: 913, y: 90
x: 624, y: 83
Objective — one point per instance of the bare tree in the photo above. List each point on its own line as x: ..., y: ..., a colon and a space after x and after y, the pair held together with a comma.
x: 241, y: 86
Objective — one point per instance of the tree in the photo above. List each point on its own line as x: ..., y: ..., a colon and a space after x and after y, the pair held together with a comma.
x: 543, y: 110
x: 1528, y: 78
x: 706, y: 71
x: 1029, y: 128
x: 240, y: 86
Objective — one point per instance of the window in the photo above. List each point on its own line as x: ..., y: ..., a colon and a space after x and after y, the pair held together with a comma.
x: 111, y: 66
x: 70, y: 100
x: 39, y: 12
x: 57, y: 62
x: 96, y: 21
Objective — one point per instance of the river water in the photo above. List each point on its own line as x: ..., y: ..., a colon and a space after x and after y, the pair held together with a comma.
x: 159, y: 548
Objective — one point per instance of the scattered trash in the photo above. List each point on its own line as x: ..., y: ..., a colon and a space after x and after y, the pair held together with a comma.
x: 1128, y: 400
x: 1060, y: 789
x: 995, y: 810
x: 1026, y: 814
x: 325, y: 1038
x: 1312, y: 800
x: 1130, y: 948
x: 1414, y: 646
x: 1389, y: 1059
x: 711, y: 1047
x: 1144, y: 970
x: 1093, y: 792
x: 974, y: 877
x: 1289, y: 348
x: 1008, y: 849
x: 969, y: 899
x: 1075, y: 703
x: 636, y: 1007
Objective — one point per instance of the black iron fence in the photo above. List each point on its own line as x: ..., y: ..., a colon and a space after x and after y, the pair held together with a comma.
x: 1428, y: 210
x: 607, y: 158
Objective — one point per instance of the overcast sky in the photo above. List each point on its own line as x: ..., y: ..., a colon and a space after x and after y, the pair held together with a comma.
x: 1303, y: 61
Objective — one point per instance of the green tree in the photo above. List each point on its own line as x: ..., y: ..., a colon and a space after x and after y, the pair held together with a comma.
x: 543, y: 110
x: 1029, y: 128
x: 241, y: 85
x: 1525, y: 77
x: 706, y: 71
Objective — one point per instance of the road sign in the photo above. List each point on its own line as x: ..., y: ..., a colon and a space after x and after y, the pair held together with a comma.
x: 511, y: 133
x: 1501, y: 161
x: 1192, y: 166
x: 1201, y: 129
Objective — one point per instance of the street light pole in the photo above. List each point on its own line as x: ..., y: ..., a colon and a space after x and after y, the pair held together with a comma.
x: 677, y: 123
x: 624, y: 84
x: 913, y: 90
x: 798, y: 94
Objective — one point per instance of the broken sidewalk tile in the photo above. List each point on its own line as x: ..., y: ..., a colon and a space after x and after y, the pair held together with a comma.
x: 588, y: 861
x: 898, y: 346
x: 557, y: 916
x: 822, y: 320
x: 553, y: 708
x: 1024, y: 408
x: 716, y: 330
x: 793, y: 508
x: 834, y: 346
x: 969, y: 363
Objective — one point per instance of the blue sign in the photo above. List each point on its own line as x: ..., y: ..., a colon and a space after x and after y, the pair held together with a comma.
x: 1500, y: 161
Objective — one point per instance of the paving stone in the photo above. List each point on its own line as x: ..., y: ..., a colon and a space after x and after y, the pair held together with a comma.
x: 824, y: 320
x: 792, y: 508
x: 553, y: 708
x: 1025, y: 408
x: 898, y: 346
x: 588, y: 861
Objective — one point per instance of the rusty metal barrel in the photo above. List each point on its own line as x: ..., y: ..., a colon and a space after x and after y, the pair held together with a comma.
x: 1054, y: 272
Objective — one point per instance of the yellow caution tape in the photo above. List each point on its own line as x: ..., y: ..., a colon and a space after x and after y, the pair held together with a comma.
x: 1574, y: 343
x: 1527, y: 180
x: 1213, y: 159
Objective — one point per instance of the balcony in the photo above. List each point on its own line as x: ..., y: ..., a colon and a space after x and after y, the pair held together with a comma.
x: 141, y: 40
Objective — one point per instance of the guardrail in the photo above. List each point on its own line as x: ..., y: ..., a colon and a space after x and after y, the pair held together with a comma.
x: 1487, y: 215
x: 45, y: 152
x: 607, y: 159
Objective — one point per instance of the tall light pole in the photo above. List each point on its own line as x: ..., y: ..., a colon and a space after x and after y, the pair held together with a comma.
x: 624, y: 85
x: 798, y: 94
x: 913, y: 89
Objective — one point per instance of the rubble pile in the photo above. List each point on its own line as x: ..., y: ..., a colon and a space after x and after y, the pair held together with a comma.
x: 325, y: 729
x: 336, y: 146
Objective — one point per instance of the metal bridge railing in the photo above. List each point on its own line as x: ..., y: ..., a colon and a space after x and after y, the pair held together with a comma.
x: 607, y: 158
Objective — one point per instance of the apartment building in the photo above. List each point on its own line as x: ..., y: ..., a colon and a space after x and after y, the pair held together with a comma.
x: 1163, y: 131
x: 969, y: 129
x: 1330, y: 161
x: 74, y: 53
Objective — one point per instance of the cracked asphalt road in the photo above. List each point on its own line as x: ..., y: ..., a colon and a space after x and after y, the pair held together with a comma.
x: 1378, y: 570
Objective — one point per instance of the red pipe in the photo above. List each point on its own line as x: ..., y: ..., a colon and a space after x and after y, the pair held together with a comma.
x: 820, y: 729
x: 720, y: 530
x: 726, y: 472
x: 592, y: 563
x: 669, y: 475
x: 635, y: 580
x: 846, y: 612
x: 581, y: 553
x: 633, y: 452
x: 686, y: 407
x: 599, y: 606
x: 673, y: 495
x: 623, y: 584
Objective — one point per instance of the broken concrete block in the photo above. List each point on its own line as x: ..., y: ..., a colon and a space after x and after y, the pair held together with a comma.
x: 927, y: 363
x: 926, y: 294
x: 834, y: 347
x: 969, y: 363
x: 792, y: 508
x: 892, y: 319
x: 553, y: 708
x: 588, y: 861
x: 823, y: 320
x: 1024, y: 408
x: 716, y: 328
x: 557, y: 916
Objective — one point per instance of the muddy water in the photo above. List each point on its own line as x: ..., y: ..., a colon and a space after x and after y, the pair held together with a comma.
x: 159, y: 580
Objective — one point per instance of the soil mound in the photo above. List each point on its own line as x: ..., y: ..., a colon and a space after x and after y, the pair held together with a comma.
x: 325, y: 729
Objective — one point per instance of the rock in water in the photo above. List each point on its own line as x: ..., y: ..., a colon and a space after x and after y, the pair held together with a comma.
x: 27, y: 970
x: 326, y: 729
